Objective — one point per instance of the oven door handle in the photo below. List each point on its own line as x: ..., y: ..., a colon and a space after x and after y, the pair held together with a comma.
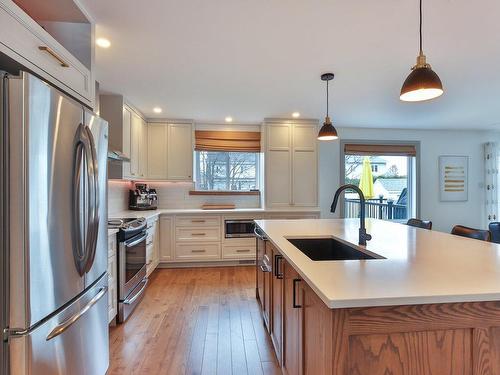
x: 130, y: 301
x: 133, y: 243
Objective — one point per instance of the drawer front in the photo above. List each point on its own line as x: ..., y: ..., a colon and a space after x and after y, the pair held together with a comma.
x: 23, y: 36
x: 238, y: 252
x: 111, y: 245
x: 197, y: 221
x: 197, y: 252
x: 197, y: 234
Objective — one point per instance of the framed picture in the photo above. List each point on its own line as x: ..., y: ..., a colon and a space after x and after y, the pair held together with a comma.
x: 453, y: 178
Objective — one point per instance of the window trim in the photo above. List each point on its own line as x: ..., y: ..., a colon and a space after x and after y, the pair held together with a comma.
x: 258, y: 177
x: 411, y: 184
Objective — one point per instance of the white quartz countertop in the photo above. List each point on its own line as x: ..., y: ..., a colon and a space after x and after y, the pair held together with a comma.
x: 148, y: 214
x: 420, y: 266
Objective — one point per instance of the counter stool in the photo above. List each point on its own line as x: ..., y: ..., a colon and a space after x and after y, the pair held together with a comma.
x: 477, y: 234
x: 424, y: 224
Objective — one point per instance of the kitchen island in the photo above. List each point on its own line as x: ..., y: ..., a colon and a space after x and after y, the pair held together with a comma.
x: 423, y: 302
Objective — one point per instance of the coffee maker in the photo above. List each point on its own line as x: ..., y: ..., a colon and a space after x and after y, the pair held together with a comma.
x: 142, y: 198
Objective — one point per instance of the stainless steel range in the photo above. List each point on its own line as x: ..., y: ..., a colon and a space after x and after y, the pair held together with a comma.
x: 132, y: 279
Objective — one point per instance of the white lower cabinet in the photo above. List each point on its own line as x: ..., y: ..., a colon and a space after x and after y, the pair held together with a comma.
x: 112, y: 278
x: 239, y: 249
x: 200, y: 251
x: 166, y: 239
x: 152, y: 246
x: 201, y: 238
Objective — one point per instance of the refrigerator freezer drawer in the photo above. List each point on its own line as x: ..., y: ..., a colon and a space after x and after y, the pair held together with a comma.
x: 73, y: 342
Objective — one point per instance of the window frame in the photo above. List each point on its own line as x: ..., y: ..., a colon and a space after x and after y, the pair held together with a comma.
x: 414, y: 188
x: 258, y: 182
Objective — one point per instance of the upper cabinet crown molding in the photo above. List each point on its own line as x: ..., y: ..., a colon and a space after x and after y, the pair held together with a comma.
x: 31, y: 47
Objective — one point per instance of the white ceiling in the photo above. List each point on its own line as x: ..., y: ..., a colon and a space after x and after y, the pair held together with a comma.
x: 205, y: 60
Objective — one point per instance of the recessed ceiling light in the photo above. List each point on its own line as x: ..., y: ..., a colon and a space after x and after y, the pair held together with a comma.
x: 228, y: 119
x: 157, y: 110
x: 103, y: 42
x: 295, y: 114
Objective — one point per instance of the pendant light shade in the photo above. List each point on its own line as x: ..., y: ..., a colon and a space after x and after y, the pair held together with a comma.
x: 422, y: 83
x: 327, y: 131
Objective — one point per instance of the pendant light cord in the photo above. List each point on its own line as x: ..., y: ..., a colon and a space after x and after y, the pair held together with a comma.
x: 421, y: 49
x: 327, y: 82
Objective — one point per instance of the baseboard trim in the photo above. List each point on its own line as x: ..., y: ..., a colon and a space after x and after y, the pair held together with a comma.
x: 225, y: 263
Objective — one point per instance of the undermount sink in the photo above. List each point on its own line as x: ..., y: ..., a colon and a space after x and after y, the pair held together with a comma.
x: 328, y: 249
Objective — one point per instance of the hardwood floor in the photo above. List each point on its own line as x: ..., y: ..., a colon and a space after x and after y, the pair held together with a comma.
x: 195, y: 321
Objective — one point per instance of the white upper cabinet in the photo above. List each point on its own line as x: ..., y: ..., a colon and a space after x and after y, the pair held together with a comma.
x: 143, y: 150
x: 126, y: 138
x: 291, y: 164
x: 170, y: 151
x: 135, y: 146
x: 44, y: 45
x: 157, y: 151
x: 180, y: 152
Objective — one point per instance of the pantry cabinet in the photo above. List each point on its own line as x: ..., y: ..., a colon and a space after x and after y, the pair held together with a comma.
x: 291, y: 169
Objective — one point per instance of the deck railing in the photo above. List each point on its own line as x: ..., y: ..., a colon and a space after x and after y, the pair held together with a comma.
x: 378, y: 208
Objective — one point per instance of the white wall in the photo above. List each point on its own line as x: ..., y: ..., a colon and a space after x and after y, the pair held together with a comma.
x: 433, y: 143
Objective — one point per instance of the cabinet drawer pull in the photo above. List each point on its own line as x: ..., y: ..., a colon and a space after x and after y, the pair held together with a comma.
x: 264, y: 268
x: 51, y: 52
x: 198, y: 251
x: 243, y: 250
x: 198, y: 221
x: 198, y: 234
x: 294, y: 297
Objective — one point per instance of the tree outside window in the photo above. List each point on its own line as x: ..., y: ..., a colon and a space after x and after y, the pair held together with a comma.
x: 227, y: 170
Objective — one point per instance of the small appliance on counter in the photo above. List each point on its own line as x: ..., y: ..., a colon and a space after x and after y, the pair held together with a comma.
x: 142, y: 198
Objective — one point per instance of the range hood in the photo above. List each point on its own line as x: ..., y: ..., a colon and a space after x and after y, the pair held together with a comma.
x: 117, y: 156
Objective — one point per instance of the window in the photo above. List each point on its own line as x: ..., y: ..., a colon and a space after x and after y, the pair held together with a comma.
x: 386, y: 173
x: 227, y: 170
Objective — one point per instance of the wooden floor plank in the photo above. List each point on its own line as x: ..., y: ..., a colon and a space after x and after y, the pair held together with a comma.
x: 195, y: 321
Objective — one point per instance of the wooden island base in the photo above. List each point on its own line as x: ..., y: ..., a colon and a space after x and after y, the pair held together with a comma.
x: 437, y: 339
x: 433, y: 339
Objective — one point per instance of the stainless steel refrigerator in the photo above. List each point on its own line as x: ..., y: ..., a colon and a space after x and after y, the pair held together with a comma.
x: 53, y: 155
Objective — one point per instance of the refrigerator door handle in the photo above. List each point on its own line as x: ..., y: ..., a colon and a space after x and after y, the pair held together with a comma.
x: 85, y: 240
x: 94, y: 216
x: 59, y: 329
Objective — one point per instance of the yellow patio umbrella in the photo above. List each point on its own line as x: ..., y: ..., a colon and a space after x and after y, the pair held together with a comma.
x: 366, y: 179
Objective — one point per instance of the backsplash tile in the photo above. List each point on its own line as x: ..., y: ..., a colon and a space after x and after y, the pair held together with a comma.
x: 174, y: 195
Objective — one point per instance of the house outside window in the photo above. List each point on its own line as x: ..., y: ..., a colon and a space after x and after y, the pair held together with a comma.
x: 393, y: 168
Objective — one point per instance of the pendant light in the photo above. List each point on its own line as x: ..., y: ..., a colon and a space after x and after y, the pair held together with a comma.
x: 422, y: 83
x: 327, y: 131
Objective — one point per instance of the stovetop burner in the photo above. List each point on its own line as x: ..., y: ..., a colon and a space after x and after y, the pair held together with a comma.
x: 126, y: 223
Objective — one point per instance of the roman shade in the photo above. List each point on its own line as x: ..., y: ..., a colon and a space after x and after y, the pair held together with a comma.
x: 236, y: 141
x: 379, y: 149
